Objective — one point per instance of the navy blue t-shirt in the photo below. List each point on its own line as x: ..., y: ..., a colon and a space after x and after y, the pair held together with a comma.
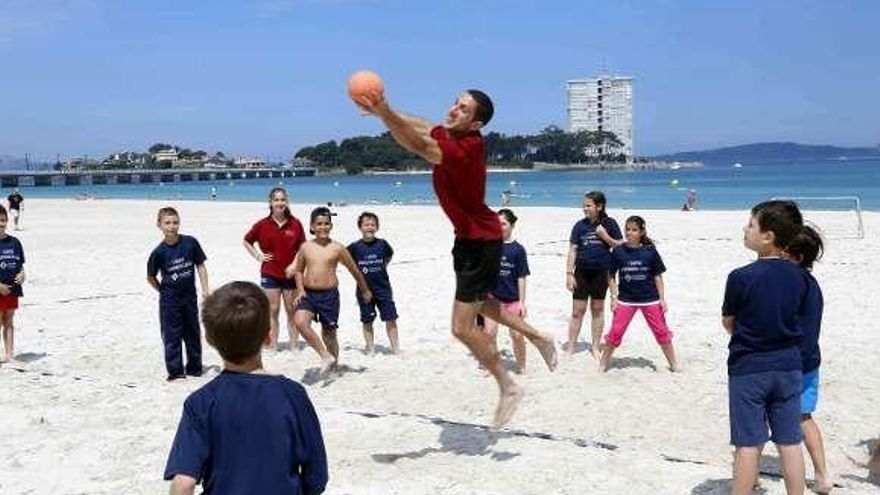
x: 11, y: 262
x: 514, y: 264
x: 371, y: 259
x: 592, y: 252
x: 812, y: 322
x: 245, y: 433
x: 177, y: 263
x: 766, y: 299
x: 637, y: 267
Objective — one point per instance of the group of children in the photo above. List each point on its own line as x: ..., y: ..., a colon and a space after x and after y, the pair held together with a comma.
x: 300, y: 273
x: 772, y: 309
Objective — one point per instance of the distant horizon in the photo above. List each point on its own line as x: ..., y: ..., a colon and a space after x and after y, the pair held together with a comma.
x: 267, y: 77
x: 876, y: 147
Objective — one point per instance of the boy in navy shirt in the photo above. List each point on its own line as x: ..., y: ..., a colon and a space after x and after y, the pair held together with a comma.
x: 372, y: 256
x: 763, y: 302
x: 178, y: 258
x: 11, y: 278
x: 246, y: 431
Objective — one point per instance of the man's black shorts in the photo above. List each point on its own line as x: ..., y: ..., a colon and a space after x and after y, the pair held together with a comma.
x: 477, y: 263
x: 591, y: 284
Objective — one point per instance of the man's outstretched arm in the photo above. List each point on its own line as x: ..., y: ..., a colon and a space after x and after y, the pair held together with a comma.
x: 409, y: 132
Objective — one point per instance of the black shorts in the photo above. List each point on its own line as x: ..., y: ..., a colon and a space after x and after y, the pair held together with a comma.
x: 477, y: 263
x: 591, y: 284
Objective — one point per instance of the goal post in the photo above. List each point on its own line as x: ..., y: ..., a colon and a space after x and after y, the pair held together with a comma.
x: 838, y: 217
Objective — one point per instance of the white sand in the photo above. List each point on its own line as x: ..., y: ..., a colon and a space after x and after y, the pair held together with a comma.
x: 91, y: 412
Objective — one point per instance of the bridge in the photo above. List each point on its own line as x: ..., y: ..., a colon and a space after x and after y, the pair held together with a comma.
x: 44, y: 178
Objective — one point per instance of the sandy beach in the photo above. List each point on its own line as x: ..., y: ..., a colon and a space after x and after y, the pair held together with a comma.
x: 89, y: 411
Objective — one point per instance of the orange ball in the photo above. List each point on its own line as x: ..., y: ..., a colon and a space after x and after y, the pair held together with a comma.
x: 364, y: 83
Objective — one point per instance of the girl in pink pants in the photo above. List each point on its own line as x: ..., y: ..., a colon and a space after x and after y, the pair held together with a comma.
x: 636, y: 283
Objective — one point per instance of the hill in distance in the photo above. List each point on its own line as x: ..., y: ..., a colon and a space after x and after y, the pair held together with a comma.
x: 769, y: 152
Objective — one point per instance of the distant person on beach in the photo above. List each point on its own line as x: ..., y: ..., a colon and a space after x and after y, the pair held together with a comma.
x: 510, y: 289
x: 15, y: 200
x: 505, y: 197
x: 690, y: 201
x: 636, y: 283
x: 762, y: 309
x: 317, y: 286
x: 806, y: 248
x: 11, y: 280
x: 589, y: 258
x: 213, y: 193
x: 455, y: 149
x: 372, y: 255
x: 178, y: 258
x: 274, y: 241
x: 246, y: 431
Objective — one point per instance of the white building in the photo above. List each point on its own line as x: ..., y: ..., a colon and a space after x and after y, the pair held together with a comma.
x: 603, y: 103
x: 249, y: 162
x: 166, y: 155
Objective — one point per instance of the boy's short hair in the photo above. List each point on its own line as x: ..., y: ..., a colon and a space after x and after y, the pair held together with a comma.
x: 782, y: 217
x: 485, y: 108
x: 368, y: 214
x: 166, y: 211
x: 3, y: 212
x: 236, y: 319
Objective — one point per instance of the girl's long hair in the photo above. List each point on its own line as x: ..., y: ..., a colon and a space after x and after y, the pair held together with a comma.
x: 640, y: 223
x: 283, y: 191
x: 598, y: 198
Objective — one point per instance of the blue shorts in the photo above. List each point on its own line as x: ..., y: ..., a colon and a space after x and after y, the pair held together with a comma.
x: 270, y: 282
x: 387, y: 309
x: 759, y: 400
x: 324, y: 304
x: 810, y: 392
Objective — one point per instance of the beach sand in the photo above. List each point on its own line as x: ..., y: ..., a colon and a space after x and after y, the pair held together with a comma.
x: 90, y: 412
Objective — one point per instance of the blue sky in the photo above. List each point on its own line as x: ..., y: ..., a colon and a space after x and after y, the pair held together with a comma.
x: 267, y: 76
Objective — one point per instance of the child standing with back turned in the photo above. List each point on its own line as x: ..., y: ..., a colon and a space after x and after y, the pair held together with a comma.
x: 763, y: 302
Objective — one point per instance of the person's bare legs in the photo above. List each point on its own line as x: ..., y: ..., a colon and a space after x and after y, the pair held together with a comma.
x: 6, y: 319
x: 391, y: 330
x: 542, y: 340
x: 463, y: 317
x: 745, y: 470
x: 274, y: 296
x: 816, y: 449
x: 597, y: 325
x: 578, y: 308
x: 791, y: 458
x: 669, y: 352
x: 519, y: 351
x: 329, y: 337
x: 490, y: 328
x: 288, y: 296
x: 369, y: 338
x: 303, y: 320
x: 607, y: 352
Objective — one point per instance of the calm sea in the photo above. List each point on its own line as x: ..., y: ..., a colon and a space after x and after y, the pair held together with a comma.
x: 719, y: 186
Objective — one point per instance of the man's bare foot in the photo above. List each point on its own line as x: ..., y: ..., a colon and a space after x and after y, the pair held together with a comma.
x: 548, y: 351
x: 327, y: 362
x: 822, y: 486
x: 369, y: 350
x: 674, y: 367
x: 603, y: 364
x: 507, y: 404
